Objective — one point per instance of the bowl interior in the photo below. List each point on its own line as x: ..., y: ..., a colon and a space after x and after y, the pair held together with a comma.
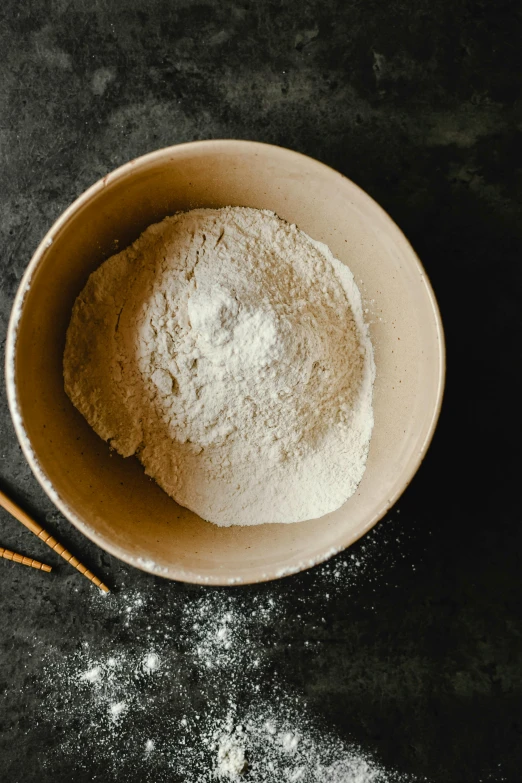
x: 109, y: 498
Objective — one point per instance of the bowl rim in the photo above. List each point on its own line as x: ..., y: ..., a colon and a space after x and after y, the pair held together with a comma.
x: 174, y: 573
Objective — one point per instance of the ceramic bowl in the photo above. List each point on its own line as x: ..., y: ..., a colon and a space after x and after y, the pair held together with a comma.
x: 109, y: 498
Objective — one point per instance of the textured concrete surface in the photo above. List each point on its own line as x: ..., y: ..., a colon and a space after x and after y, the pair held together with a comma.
x: 420, y: 659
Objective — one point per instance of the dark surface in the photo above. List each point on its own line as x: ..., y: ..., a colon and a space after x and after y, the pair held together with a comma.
x: 420, y: 660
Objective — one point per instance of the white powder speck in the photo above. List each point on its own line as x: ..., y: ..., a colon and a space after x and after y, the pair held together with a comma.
x: 289, y: 741
x: 92, y: 675
x: 230, y: 758
x: 151, y: 662
x: 117, y: 709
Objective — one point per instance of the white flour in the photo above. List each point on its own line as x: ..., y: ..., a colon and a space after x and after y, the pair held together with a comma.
x: 149, y: 720
x: 203, y: 685
x: 228, y: 351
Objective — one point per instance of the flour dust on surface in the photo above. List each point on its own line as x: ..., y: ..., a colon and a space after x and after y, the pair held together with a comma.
x: 196, y: 691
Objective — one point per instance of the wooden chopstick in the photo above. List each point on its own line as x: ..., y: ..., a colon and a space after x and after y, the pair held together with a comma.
x: 44, y: 536
x: 27, y: 561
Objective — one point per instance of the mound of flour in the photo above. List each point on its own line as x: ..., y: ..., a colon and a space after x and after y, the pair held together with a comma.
x: 227, y: 350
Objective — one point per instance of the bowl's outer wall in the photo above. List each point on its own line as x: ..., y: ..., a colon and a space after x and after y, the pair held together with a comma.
x: 109, y: 498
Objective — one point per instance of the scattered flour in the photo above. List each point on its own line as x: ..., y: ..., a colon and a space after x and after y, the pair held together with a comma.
x: 253, y: 752
x: 178, y: 693
x: 202, y: 677
x: 262, y: 741
x: 92, y: 675
x: 231, y: 761
x: 289, y: 741
x: 228, y: 351
x: 151, y: 662
x: 117, y: 709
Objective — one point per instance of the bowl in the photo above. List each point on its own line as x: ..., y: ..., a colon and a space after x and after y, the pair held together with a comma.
x: 109, y: 498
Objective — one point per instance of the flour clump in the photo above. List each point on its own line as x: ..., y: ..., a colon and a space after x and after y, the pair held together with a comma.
x: 227, y: 350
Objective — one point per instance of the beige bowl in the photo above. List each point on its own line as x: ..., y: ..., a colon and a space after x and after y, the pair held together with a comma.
x: 109, y: 498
